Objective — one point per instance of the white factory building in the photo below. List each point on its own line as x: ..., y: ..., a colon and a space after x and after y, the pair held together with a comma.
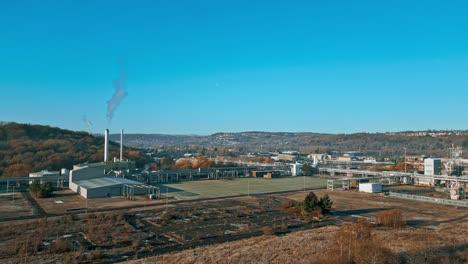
x: 91, y: 180
x: 93, y: 183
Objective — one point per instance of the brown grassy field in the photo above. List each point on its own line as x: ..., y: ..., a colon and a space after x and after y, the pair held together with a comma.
x: 409, y: 245
x: 241, y: 230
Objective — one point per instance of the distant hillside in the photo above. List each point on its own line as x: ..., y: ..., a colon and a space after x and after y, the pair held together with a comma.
x: 25, y: 148
x: 420, y: 142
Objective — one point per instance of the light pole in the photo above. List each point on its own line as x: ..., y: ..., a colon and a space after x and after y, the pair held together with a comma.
x: 405, y: 160
x: 304, y: 182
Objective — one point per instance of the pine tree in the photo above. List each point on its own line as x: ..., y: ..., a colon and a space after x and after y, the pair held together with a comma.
x: 325, y: 204
x: 310, y: 203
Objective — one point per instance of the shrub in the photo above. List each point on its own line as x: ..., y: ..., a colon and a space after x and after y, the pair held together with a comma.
x: 41, y: 190
x: 284, y: 226
x: 356, y: 244
x: 390, y: 218
x: 267, y: 231
x: 95, y: 254
x: 167, y: 216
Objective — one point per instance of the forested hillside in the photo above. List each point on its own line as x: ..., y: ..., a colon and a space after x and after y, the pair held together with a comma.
x: 385, y: 144
x: 25, y: 148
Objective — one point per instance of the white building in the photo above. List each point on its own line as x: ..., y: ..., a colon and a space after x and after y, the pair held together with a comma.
x: 93, y: 183
x: 295, y: 169
x: 432, y: 166
x: 371, y: 187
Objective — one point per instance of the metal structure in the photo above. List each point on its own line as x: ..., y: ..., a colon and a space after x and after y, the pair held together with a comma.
x: 455, y: 161
x: 389, y: 176
x: 128, y: 190
x: 18, y: 181
x: 207, y: 174
x: 429, y: 199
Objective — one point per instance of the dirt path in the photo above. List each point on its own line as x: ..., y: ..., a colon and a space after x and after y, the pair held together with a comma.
x: 37, y: 209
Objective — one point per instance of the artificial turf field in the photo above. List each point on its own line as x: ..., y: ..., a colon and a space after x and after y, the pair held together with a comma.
x: 235, y: 186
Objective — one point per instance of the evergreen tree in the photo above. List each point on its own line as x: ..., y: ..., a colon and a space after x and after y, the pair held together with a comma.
x: 325, y: 204
x: 311, y: 202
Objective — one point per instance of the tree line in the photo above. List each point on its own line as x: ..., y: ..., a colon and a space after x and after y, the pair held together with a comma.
x: 25, y: 148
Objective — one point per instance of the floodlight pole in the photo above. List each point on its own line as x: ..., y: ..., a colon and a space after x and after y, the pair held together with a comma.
x: 304, y: 183
x: 405, y: 160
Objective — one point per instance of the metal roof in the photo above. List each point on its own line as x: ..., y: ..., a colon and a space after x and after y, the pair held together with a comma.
x: 45, y: 173
x: 105, y: 182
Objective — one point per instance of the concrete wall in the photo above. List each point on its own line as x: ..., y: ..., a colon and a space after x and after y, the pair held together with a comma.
x: 85, y: 173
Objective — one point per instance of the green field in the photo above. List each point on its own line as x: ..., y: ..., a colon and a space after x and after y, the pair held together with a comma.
x: 225, y: 187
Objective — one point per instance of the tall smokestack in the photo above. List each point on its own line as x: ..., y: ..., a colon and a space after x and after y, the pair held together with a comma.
x: 106, y: 145
x: 121, y: 144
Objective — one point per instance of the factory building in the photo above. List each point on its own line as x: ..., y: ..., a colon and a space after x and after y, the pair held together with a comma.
x: 94, y: 181
x: 295, y: 169
x: 109, y: 166
x: 44, y: 173
x: 432, y: 166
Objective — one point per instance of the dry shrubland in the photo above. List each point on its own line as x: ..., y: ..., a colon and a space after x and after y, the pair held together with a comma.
x: 357, y: 244
x: 351, y: 243
x: 390, y: 218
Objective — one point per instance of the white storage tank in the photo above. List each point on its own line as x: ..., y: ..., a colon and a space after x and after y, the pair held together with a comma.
x: 371, y: 187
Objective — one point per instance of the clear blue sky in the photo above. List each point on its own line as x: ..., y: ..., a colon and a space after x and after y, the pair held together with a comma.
x: 199, y: 67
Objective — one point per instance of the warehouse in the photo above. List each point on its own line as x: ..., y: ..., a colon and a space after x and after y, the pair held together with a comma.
x: 93, y: 183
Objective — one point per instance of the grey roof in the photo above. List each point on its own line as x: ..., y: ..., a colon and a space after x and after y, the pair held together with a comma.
x: 105, y: 182
x: 44, y: 173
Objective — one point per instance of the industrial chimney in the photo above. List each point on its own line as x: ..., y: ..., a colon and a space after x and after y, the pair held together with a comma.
x: 121, y: 144
x: 106, y: 145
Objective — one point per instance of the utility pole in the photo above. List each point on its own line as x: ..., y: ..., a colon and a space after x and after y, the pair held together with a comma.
x: 405, y: 159
x: 304, y: 182
x: 248, y: 187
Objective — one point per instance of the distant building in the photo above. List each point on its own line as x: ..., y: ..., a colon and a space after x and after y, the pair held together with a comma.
x: 91, y: 182
x: 371, y: 187
x: 432, y: 166
x: 285, y: 157
x: 319, y: 157
x: 416, y: 162
x: 344, y: 159
x: 108, y: 166
x: 295, y: 169
x: 43, y: 173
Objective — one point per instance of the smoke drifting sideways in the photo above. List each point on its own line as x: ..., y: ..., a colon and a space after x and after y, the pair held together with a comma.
x: 118, y: 96
x: 88, y: 123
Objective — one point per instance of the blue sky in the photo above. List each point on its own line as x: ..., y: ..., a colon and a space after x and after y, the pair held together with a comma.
x: 200, y: 67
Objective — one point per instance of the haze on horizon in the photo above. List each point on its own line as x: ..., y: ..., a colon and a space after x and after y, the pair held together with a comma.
x: 209, y: 66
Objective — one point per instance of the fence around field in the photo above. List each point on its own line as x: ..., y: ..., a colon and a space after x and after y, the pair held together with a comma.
x: 429, y: 199
x: 412, y: 191
x: 240, y: 186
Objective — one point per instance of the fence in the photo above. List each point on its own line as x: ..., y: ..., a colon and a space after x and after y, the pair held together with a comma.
x: 429, y: 199
x: 414, y: 191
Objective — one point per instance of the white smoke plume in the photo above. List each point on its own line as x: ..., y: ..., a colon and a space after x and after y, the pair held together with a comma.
x: 119, y: 94
x: 88, y: 123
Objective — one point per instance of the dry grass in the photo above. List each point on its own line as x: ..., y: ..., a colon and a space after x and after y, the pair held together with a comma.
x: 312, y: 246
x: 390, y: 218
